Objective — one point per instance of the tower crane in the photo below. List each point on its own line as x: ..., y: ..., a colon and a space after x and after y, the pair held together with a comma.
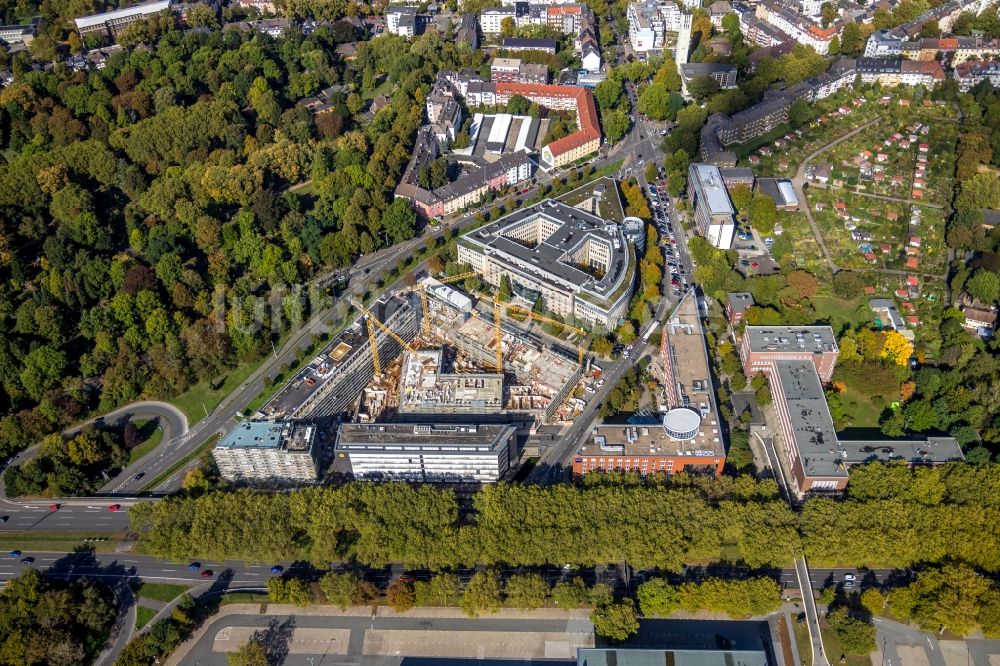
x: 531, y: 314
x: 372, y: 339
x: 425, y: 320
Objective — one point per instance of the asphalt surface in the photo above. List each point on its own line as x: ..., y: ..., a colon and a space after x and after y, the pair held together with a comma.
x: 115, y: 566
x: 87, y: 515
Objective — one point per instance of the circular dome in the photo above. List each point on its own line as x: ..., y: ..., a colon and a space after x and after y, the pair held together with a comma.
x: 682, y: 423
x: 633, y: 223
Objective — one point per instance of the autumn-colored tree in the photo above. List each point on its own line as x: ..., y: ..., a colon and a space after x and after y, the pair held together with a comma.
x: 839, y: 386
x: 803, y: 283
x: 906, y: 390
x: 896, y: 348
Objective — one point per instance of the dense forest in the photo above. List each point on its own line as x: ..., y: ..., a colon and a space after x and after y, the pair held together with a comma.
x: 47, y: 621
x: 893, y: 517
x: 145, y: 211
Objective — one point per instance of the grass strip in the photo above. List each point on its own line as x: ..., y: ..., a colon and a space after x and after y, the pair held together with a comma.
x: 164, y: 592
x: 58, y: 541
x: 143, y: 615
x: 147, y: 446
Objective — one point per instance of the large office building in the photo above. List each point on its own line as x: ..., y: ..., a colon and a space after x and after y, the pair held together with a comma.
x: 426, y: 453
x: 113, y: 22
x: 761, y: 346
x: 268, y: 451
x: 714, y: 214
x: 689, y: 438
x: 797, y: 361
x: 582, y: 266
x: 425, y: 389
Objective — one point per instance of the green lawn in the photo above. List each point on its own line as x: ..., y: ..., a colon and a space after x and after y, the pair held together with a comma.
x: 143, y: 615
x: 161, y: 591
x: 801, y: 634
x: 147, y: 445
x: 860, y: 408
x: 54, y: 542
x: 199, y: 400
x: 836, y: 310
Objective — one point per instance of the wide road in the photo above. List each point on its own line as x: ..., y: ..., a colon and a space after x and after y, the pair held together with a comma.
x: 83, y: 515
x: 115, y: 566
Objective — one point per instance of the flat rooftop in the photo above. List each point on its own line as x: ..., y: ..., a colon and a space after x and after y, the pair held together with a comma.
x: 818, y: 339
x: 635, y: 657
x: 711, y: 189
x: 549, y: 251
x: 599, y: 197
x: 812, y: 425
x: 390, y: 437
x: 930, y: 451
x: 269, y: 435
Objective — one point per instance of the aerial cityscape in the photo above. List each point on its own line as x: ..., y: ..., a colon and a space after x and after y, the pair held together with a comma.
x: 502, y: 332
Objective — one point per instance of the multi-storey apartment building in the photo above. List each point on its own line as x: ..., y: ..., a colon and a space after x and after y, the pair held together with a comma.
x: 113, y: 22
x: 896, y: 71
x: 268, y: 451
x: 714, y: 215
x: 426, y: 453
x: 512, y: 70
x: 581, y: 265
x: 18, y: 34
x: 972, y: 73
x: 798, y: 27
x: 491, y: 20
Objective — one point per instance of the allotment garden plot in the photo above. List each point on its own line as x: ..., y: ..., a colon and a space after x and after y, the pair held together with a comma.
x: 909, y: 160
x: 862, y: 231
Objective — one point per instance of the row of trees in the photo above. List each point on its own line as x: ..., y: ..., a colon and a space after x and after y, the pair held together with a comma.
x: 661, y: 524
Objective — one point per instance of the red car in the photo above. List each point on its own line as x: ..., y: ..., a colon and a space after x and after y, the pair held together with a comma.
x: 114, y: 507
x: 53, y: 507
x: 207, y: 573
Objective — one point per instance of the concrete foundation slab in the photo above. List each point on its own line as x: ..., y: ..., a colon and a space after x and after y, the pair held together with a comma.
x: 303, y: 641
x: 474, y: 644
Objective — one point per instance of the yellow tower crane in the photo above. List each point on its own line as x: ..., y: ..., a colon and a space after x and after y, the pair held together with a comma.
x: 537, y: 317
x: 372, y: 339
x: 499, y: 335
x: 425, y: 320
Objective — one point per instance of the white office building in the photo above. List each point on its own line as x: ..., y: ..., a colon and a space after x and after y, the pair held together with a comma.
x: 456, y: 453
x: 713, y: 211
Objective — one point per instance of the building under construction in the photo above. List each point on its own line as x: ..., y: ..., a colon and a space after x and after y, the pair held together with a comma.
x: 424, y: 387
x: 335, y: 378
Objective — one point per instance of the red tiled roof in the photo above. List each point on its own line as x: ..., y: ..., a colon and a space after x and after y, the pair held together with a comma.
x: 586, y: 109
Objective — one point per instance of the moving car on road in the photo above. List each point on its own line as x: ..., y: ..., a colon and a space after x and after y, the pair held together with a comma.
x: 27, y: 560
x: 114, y: 507
x: 54, y: 507
x: 194, y: 566
x: 207, y: 573
x: 14, y: 553
x: 277, y: 569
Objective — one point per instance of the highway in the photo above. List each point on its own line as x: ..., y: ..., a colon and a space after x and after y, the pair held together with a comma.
x: 114, y: 566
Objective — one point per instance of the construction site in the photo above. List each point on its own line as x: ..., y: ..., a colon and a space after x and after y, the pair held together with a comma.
x: 428, y: 354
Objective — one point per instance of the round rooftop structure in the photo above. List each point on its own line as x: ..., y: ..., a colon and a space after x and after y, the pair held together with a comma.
x: 635, y: 230
x: 682, y: 423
